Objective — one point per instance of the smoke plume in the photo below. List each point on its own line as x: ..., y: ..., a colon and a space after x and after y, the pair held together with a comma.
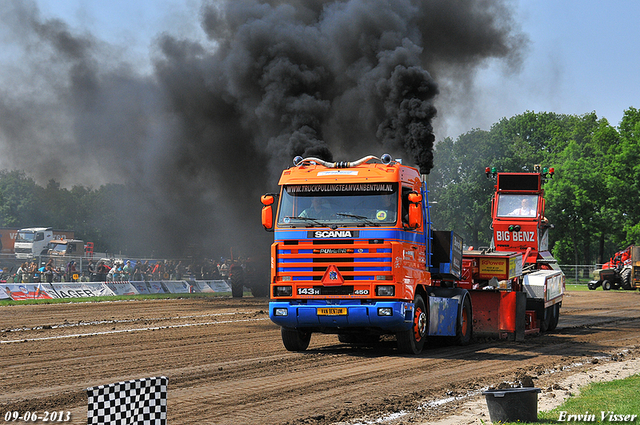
x: 199, y: 138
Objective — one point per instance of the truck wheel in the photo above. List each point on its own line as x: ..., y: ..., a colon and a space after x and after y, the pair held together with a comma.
x: 555, y: 316
x: 412, y: 341
x: 465, y: 328
x: 606, y: 285
x: 295, y: 340
x: 626, y: 279
x: 237, y: 288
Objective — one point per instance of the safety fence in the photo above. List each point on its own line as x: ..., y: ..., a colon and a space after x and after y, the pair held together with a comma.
x: 36, y: 291
x: 578, y: 273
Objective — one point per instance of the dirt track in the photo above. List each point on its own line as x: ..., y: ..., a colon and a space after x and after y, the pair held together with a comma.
x: 226, y: 363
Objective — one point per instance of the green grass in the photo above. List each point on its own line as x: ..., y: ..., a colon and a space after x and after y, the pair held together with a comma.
x: 619, y: 397
x: 577, y: 287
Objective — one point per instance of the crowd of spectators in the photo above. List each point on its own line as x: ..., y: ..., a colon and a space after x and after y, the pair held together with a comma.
x: 129, y: 270
x: 30, y: 272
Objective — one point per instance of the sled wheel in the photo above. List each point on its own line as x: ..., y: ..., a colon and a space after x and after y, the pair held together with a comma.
x: 555, y: 316
x: 295, y: 340
x: 412, y: 341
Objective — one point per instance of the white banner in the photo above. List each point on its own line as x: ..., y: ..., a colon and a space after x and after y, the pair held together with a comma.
x: 218, y: 285
x: 35, y: 291
x: 78, y: 290
x: 122, y: 288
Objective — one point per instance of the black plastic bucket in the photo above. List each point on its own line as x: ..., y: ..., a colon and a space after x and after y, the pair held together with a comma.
x: 513, y: 404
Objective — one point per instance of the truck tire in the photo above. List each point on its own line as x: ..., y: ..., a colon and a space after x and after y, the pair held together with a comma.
x: 606, y: 285
x: 412, y: 340
x: 626, y: 279
x: 237, y: 287
x: 295, y: 340
x: 555, y: 316
x: 465, y: 329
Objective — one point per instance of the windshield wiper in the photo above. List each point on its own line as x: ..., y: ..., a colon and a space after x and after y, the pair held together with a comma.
x: 311, y: 219
x: 359, y: 217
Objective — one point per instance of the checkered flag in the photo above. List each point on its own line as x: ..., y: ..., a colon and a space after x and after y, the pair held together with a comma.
x: 137, y: 402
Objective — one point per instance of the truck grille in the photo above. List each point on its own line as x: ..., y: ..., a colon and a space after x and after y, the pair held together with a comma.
x: 356, y: 260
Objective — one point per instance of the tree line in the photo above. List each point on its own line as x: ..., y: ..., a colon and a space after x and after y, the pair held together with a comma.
x: 592, y: 199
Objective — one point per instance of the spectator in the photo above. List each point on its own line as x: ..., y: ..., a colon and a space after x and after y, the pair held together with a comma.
x: 71, y: 271
x: 49, y: 271
x: 91, y: 270
x: 113, y: 274
x: 128, y: 270
x: 33, y: 270
x: 224, y: 270
x: 22, y: 273
x: 103, y: 269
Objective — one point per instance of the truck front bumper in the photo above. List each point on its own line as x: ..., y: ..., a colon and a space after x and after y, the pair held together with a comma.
x: 388, y: 316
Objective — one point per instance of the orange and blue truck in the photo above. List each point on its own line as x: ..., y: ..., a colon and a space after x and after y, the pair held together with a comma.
x: 355, y: 254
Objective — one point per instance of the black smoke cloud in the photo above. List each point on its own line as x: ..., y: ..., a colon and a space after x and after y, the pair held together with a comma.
x: 201, y: 136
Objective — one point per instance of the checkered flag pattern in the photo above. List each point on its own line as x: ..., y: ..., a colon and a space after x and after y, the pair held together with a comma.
x: 139, y: 402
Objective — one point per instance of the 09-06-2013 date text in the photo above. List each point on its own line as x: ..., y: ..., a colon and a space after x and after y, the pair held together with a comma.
x: 55, y: 416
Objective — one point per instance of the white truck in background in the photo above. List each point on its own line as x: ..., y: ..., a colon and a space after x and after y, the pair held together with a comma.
x: 31, y: 241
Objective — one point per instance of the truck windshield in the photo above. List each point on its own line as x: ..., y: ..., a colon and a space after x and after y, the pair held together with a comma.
x: 513, y: 205
x: 59, y: 248
x: 369, y: 204
x: 25, y: 236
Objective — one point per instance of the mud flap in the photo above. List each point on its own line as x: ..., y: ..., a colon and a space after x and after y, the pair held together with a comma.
x: 443, y: 316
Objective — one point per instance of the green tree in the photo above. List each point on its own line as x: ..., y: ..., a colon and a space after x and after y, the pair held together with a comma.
x: 627, y: 176
x: 18, y: 200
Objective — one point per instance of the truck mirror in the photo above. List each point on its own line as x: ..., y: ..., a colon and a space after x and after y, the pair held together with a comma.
x: 267, y: 217
x: 415, y: 215
x: 266, y: 199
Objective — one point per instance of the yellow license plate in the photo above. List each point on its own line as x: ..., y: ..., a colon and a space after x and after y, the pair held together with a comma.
x: 332, y: 311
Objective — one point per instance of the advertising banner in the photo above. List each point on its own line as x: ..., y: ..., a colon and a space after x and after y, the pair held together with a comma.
x: 36, y: 291
x: 78, y: 290
x: 178, y: 286
x: 24, y: 291
x: 210, y: 286
x: 122, y: 288
x: 219, y: 285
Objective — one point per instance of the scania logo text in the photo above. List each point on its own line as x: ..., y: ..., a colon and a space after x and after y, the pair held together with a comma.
x: 322, y: 234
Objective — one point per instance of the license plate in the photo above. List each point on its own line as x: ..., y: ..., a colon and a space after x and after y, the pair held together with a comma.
x: 332, y: 311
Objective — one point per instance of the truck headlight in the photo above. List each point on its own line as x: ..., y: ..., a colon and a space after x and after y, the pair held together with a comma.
x: 282, y: 291
x: 280, y: 312
x: 385, y: 311
x: 385, y: 290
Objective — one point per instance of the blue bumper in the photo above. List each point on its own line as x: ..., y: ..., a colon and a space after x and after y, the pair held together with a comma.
x: 359, y: 314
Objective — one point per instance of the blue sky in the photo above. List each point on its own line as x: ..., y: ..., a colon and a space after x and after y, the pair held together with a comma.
x: 581, y: 57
